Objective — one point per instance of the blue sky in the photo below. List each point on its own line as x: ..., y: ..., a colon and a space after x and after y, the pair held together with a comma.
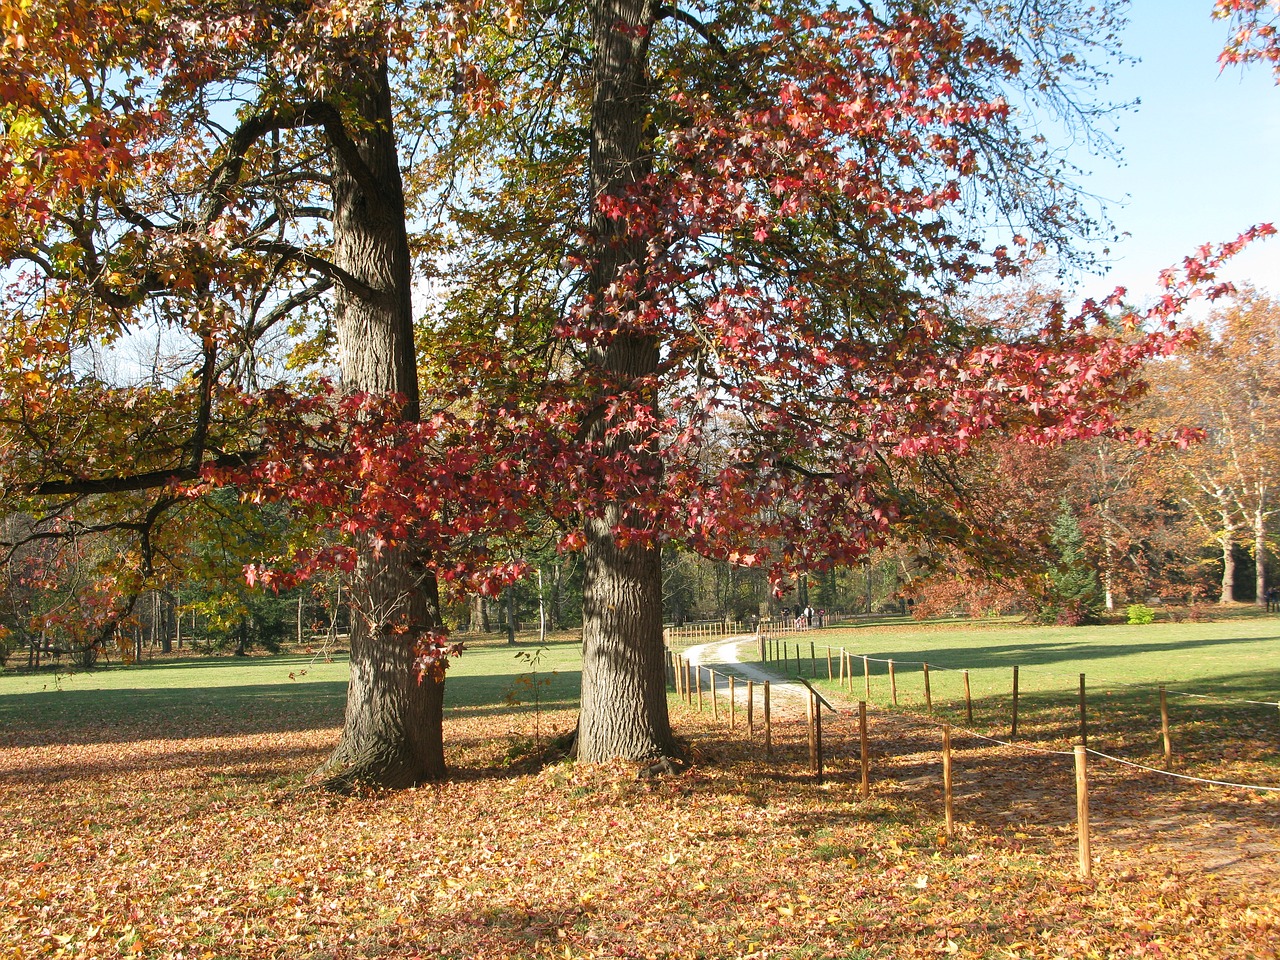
x: 1201, y: 152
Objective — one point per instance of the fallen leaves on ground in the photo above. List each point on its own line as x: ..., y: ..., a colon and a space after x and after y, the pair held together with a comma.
x: 204, y: 846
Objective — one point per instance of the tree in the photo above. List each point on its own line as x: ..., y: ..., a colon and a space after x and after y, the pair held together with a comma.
x: 1248, y: 351
x: 228, y: 535
x: 1074, y: 597
x: 1229, y: 389
x: 216, y: 173
x: 700, y: 282
x: 1255, y: 32
x: 758, y: 316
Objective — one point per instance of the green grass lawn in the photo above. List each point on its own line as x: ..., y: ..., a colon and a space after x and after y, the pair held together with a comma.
x: 156, y: 811
x: 1208, y: 669
x: 1227, y: 661
x: 1238, y: 657
x: 283, y: 692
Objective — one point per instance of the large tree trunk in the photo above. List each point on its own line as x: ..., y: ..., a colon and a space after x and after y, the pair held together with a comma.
x: 624, y: 702
x: 392, y: 733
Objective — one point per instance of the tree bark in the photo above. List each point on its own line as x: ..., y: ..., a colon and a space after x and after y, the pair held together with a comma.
x: 1260, y: 558
x: 1228, y: 539
x: 557, y: 604
x: 624, y: 704
x: 479, y: 620
x: 392, y: 733
x: 510, y: 604
x: 168, y: 621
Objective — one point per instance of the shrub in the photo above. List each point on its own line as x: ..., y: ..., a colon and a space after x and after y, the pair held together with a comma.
x: 1074, y: 613
x: 1140, y: 613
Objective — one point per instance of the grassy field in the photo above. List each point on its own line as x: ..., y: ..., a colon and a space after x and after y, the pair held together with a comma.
x: 283, y: 692
x: 156, y: 811
x: 1210, y: 672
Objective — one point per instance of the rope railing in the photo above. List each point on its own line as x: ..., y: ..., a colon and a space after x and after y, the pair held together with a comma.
x: 768, y: 630
x: 683, y: 672
x: 1031, y: 748
x: 1023, y: 745
x: 1103, y: 680
x: 1184, y: 776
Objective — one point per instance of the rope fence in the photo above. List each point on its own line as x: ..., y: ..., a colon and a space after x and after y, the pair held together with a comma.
x: 779, y: 650
x: 1220, y: 698
x: 687, y: 680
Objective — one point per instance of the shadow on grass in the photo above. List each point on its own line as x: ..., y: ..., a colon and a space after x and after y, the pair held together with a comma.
x: 164, y: 713
x: 1126, y: 719
x: 152, y: 713
x: 1041, y: 654
x: 246, y: 764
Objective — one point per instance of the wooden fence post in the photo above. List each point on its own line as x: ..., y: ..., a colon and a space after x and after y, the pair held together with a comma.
x: 733, y: 703
x: 697, y: 673
x: 817, y: 738
x: 968, y: 700
x: 893, y: 684
x: 813, y: 734
x: 813, y: 660
x: 1084, y: 724
x: 768, y: 726
x: 715, y: 704
x: 866, y: 760
x: 1082, y: 811
x: 751, y: 708
x: 1013, y: 732
x: 866, y: 677
x: 830, y: 672
x: 946, y: 780
x: 928, y: 694
x: 1164, y: 730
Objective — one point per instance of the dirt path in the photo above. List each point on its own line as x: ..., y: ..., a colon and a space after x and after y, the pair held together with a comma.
x: 722, y: 659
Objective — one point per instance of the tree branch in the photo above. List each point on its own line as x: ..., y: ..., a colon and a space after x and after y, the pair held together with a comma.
x: 704, y: 31
x: 330, y: 270
x: 315, y: 113
x: 133, y: 483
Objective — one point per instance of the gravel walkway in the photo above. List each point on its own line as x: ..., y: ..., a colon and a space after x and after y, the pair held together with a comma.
x: 723, y: 656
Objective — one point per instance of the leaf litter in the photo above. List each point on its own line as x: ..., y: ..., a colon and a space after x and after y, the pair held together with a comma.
x: 203, y: 844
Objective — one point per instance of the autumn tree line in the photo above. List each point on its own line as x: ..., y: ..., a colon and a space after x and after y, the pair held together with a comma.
x: 425, y: 300
x: 1098, y: 526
